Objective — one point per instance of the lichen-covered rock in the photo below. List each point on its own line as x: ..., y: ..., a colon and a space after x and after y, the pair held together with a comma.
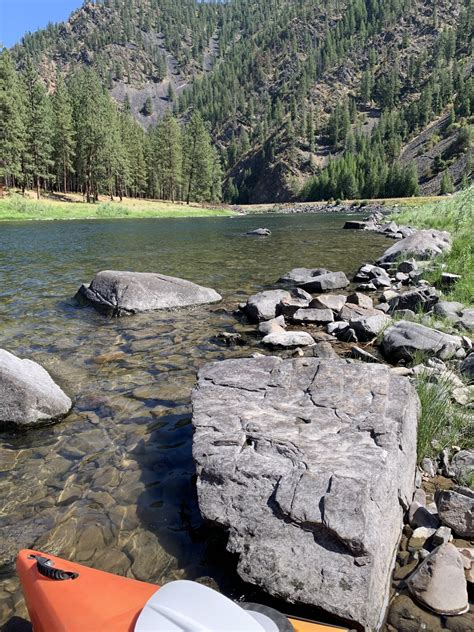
x: 329, y: 301
x: 28, y: 394
x: 125, y: 293
x: 404, y: 339
x: 423, y: 244
x: 308, y: 463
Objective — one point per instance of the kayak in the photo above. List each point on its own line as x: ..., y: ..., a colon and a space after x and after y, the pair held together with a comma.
x: 62, y: 596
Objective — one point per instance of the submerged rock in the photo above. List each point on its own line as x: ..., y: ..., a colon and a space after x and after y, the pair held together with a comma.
x: 439, y: 582
x: 28, y: 394
x: 125, y: 293
x: 308, y: 463
x: 404, y: 339
x: 423, y: 244
x: 302, y: 275
x: 260, y: 232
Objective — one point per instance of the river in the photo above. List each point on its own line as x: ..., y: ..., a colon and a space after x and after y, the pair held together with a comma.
x: 112, y: 486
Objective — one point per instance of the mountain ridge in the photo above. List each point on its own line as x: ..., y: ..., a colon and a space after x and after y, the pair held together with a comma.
x: 267, y: 77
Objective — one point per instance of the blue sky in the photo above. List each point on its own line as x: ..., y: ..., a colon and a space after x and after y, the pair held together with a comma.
x: 19, y: 16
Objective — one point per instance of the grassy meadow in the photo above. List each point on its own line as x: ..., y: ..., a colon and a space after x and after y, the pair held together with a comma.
x: 16, y: 207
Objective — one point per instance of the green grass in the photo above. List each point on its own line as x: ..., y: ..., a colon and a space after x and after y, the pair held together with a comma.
x: 16, y: 207
x: 456, y: 215
x: 443, y: 423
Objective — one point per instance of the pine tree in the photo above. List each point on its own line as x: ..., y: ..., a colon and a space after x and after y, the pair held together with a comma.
x: 167, y: 158
x: 63, y: 134
x: 12, y: 126
x: 446, y: 183
x: 197, y: 160
x: 37, y: 160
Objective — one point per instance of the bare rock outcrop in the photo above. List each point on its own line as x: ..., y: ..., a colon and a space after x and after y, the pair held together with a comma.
x: 309, y: 464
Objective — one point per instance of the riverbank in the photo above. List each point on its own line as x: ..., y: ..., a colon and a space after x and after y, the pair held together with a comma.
x: 70, y: 207
x: 456, y: 215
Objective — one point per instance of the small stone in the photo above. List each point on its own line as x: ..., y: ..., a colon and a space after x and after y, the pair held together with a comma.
x: 463, y: 466
x: 402, y: 277
x: 467, y: 367
x: 288, y: 339
x: 443, y: 535
x: 383, y: 307
x: 335, y: 328
x: 456, y: 509
x: 360, y: 299
x: 404, y: 314
x: 402, y: 370
x: 324, y: 350
x: 419, y: 516
x: 467, y: 556
x: 260, y: 232
x: 318, y: 316
x: 329, y: 301
x: 360, y: 354
x: 463, y: 395
x: 439, y: 583
x: 389, y: 295
x: 407, y: 266
x: 366, y: 287
x: 448, y: 279
x: 419, y: 537
x: 428, y: 467
x: 275, y: 325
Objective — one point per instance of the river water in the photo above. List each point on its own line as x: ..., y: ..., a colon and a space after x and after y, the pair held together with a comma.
x: 112, y: 485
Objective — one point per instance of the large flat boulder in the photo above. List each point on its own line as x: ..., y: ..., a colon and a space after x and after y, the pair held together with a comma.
x: 308, y: 463
x: 404, y: 339
x: 326, y: 282
x: 28, y: 394
x: 125, y: 293
x: 423, y: 244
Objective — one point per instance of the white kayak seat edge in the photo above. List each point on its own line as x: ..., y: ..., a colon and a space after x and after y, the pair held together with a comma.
x: 186, y: 606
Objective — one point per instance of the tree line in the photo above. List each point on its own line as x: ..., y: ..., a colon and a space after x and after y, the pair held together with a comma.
x: 77, y: 139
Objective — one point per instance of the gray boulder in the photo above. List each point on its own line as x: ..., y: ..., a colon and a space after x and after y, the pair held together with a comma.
x: 298, y: 276
x: 415, y: 300
x: 125, y: 293
x: 467, y: 319
x: 262, y: 306
x: 355, y: 225
x: 28, y: 395
x: 404, y: 339
x: 260, y: 232
x: 463, y: 466
x: 423, y: 244
x: 308, y: 464
x: 276, y: 325
x: 446, y: 309
x: 456, y: 509
x: 467, y: 367
x: 439, y: 582
x: 360, y: 299
x: 369, y: 327
x: 317, y: 316
x: 334, y: 302
x: 326, y: 282
x: 288, y: 339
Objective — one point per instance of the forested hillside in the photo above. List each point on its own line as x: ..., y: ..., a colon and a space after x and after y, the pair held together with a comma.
x: 314, y: 99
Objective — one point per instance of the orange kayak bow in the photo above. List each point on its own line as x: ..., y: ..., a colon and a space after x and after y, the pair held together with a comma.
x: 62, y: 596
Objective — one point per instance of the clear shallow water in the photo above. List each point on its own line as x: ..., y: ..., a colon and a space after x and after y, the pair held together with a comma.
x: 112, y: 486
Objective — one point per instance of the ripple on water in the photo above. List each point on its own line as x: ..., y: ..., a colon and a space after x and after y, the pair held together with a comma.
x: 112, y: 486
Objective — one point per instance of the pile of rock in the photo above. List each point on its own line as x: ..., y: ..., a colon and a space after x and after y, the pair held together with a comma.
x: 434, y: 562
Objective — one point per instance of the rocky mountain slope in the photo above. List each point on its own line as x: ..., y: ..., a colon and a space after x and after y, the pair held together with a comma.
x: 269, y: 75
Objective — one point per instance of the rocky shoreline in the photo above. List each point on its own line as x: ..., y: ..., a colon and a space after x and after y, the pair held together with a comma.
x: 307, y: 456
x: 392, y: 318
